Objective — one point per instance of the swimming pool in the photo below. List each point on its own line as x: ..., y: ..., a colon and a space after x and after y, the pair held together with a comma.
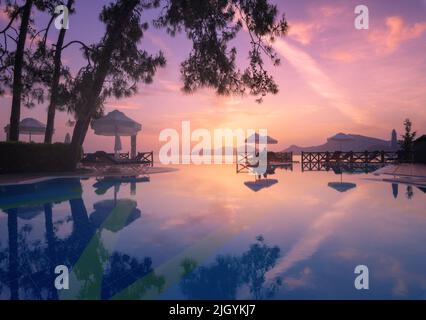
x: 205, y: 232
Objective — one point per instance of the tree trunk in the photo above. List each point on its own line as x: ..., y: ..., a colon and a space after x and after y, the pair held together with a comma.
x: 15, y: 115
x: 84, y: 130
x: 111, y: 43
x: 76, y: 140
x: 55, y: 83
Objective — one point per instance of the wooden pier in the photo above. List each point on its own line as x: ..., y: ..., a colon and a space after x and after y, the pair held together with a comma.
x: 349, y: 161
x: 373, y: 157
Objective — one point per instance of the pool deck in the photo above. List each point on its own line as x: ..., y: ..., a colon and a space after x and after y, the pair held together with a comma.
x: 81, y: 173
x: 406, y: 173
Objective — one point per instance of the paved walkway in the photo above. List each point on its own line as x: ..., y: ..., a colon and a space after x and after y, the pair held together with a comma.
x: 413, y: 174
x: 406, y: 170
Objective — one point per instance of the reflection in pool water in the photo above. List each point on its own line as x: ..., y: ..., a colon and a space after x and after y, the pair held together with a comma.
x: 206, y: 233
x: 223, y: 278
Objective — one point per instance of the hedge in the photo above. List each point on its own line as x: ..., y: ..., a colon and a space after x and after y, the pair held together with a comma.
x: 419, y: 148
x: 21, y: 157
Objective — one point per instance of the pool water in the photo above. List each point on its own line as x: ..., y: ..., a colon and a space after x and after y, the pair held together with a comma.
x: 205, y: 232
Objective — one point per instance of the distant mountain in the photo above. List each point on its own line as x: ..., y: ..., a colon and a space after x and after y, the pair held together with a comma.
x: 357, y: 143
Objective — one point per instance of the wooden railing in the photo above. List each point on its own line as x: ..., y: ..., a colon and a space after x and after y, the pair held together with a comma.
x: 146, y: 158
x: 350, y: 157
x: 121, y: 156
x: 245, y: 161
x: 354, y: 167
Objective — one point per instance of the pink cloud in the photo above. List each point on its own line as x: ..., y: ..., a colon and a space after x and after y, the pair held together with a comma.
x: 320, y: 19
x: 396, y: 33
x: 329, y: 11
x: 301, y: 32
x: 319, y: 81
x: 342, y: 55
x: 159, y: 41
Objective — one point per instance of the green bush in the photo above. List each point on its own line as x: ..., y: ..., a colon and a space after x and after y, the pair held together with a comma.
x: 21, y: 157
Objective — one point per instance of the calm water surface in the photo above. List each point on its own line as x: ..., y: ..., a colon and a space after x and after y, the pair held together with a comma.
x: 205, y: 232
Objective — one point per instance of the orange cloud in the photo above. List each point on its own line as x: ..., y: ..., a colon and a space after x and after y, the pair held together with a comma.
x: 396, y: 33
x: 320, y: 20
x: 301, y: 32
x: 342, y: 55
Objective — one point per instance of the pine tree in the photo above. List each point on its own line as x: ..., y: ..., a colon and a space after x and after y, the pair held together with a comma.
x: 408, y: 137
x: 116, y: 64
x: 14, y: 63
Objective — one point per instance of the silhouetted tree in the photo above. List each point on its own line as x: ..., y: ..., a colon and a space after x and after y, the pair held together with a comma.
x: 115, y: 58
x: 223, y: 278
x: 256, y: 262
x: 15, y: 60
x: 211, y: 25
x: 25, y: 13
x: 116, y: 64
x: 58, y: 70
x: 408, y: 138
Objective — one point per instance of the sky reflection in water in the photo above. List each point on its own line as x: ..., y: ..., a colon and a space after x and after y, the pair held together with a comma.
x: 203, y: 233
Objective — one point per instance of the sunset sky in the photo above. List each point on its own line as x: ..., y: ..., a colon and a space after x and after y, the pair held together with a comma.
x: 333, y: 78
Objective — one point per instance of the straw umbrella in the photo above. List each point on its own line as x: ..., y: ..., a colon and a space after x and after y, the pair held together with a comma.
x: 126, y: 208
x: 256, y: 139
x: 260, y: 184
x: 340, y: 185
x: 117, y: 124
x: 29, y: 126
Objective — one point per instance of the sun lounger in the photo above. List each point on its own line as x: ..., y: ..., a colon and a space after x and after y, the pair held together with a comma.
x: 120, y: 156
x: 101, y: 157
x: 107, y: 164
